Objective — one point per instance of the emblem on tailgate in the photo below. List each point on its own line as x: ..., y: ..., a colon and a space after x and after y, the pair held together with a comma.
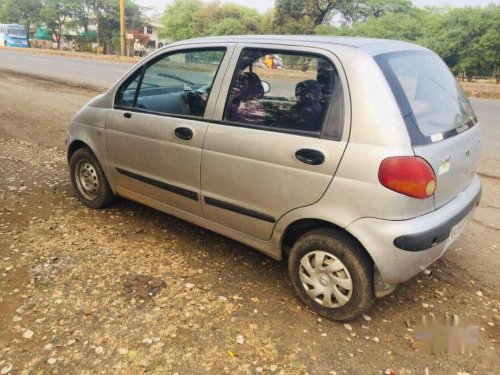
x: 445, y: 165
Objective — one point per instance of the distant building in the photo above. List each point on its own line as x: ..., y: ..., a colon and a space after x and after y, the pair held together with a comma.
x: 149, y: 36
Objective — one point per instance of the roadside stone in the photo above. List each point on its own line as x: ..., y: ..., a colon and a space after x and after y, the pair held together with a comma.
x: 51, y: 361
x: 240, y: 339
x: 6, y: 369
x: 99, y: 350
x: 367, y: 318
x: 348, y: 327
x: 28, y: 334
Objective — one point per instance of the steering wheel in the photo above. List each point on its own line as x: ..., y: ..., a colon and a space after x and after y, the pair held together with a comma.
x: 197, y: 100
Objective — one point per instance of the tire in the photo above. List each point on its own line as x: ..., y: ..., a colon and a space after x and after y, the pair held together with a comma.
x: 92, y: 189
x: 344, y: 260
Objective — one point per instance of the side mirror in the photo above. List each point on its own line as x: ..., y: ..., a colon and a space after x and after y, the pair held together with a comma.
x: 266, y: 86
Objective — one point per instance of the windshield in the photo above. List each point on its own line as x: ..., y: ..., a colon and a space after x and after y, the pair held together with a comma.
x: 16, y: 32
x: 429, y: 97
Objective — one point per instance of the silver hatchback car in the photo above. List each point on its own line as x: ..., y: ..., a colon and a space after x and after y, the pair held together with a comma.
x: 354, y: 157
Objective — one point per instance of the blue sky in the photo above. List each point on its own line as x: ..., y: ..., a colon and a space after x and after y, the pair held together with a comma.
x: 263, y: 5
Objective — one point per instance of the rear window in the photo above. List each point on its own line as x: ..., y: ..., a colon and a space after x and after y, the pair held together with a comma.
x: 431, y: 101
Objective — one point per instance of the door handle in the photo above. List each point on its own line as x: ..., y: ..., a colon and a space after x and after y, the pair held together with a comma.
x: 309, y: 156
x: 184, y: 133
x: 127, y: 115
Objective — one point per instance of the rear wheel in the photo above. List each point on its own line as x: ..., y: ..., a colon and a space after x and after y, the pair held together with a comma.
x: 332, y: 274
x: 89, y: 182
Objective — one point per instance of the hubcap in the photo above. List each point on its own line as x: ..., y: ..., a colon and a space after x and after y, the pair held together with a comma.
x: 325, y: 279
x: 87, y: 180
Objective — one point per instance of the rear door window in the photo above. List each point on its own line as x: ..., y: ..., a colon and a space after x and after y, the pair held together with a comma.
x: 431, y: 101
x: 284, y: 91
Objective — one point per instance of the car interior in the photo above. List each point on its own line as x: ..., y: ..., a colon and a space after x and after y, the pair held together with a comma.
x: 249, y: 104
x: 296, y: 103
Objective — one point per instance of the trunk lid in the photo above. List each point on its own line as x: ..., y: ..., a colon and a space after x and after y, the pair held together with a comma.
x: 454, y: 161
x: 439, y: 118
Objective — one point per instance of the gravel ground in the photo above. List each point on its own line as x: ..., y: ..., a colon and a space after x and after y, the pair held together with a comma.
x: 131, y: 290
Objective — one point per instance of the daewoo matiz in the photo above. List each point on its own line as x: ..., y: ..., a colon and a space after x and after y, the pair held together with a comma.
x: 354, y: 157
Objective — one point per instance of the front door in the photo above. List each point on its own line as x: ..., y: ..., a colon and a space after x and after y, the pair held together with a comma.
x: 154, y: 134
x: 279, y: 138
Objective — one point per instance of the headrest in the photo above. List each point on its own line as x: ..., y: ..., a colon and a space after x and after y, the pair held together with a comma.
x: 248, y: 86
x: 308, y: 92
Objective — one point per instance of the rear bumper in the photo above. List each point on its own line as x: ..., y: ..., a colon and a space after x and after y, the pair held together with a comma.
x: 401, y: 249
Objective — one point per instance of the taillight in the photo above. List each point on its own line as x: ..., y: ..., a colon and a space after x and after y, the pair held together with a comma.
x: 408, y: 175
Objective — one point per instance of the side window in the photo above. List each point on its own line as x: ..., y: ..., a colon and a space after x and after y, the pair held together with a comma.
x: 178, y: 83
x: 126, y: 93
x: 282, y: 91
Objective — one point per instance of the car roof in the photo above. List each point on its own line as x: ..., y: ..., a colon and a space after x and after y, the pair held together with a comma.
x: 370, y: 45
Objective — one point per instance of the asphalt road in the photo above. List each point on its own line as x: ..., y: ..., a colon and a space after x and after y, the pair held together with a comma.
x: 102, y: 74
x: 75, y: 70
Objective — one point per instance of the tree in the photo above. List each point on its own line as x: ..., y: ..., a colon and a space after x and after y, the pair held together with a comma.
x: 468, y: 39
x: 361, y: 10
x: 108, y: 13
x: 177, y: 20
x: 226, y: 19
x: 23, y: 12
x: 192, y: 18
x: 302, y: 16
x: 56, y: 13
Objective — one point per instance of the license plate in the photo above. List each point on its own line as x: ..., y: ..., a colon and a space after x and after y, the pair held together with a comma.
x: 457, y: 230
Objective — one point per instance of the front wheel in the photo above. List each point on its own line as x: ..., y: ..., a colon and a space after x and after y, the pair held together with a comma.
x: 332, y: 274
x: 89, y: 182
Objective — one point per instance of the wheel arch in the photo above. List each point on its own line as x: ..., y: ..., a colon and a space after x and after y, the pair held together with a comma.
x: 76, y: 145
x: 299, y: 227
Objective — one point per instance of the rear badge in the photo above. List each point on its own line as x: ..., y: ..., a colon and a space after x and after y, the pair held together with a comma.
x: 445, y: 165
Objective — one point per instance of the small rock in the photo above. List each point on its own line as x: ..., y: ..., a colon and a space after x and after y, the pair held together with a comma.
x: 6, y: 369
x: 479, y: 293
x: 425, y: 305
x: 156, y: 348
x: 367, y: 318
x: 259, y: 369
x: 240, y: 339
x: 28, y: 334
x: 51, y: 361
x: 147, y: 341
x: 71, y: 342
x: 273, y: 368
x: 48, y: 347
x: 99, y: 350
x: 189, y: 286
x: 348, y: 327
x: 123, y: 351
x: 16, y: 318
x: 376, y: 339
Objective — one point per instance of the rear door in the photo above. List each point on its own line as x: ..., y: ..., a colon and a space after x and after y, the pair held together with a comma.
x: 439, y: 118
x: 277, y: 136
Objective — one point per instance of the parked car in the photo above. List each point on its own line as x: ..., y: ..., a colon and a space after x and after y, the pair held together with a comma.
x: 356, y: 161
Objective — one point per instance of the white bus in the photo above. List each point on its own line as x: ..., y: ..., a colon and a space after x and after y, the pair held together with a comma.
x: 12, y: 35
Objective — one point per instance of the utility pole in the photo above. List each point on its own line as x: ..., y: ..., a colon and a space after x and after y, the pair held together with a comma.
x: 122, y: 27
x: 96, y: 13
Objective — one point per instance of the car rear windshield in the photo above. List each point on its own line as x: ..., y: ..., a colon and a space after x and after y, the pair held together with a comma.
x: 431, y: 101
